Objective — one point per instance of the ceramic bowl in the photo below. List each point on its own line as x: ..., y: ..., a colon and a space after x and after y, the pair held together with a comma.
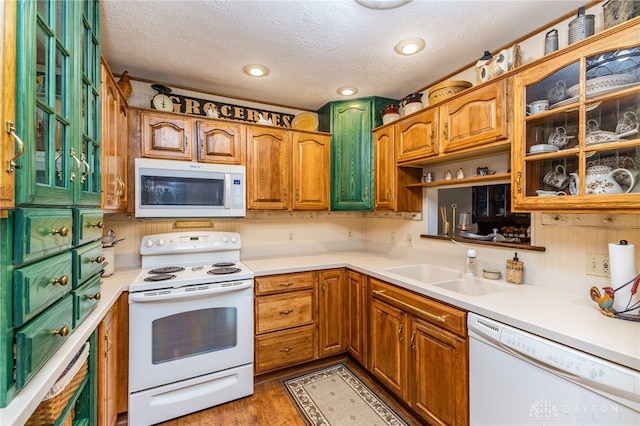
x: 491, y: 274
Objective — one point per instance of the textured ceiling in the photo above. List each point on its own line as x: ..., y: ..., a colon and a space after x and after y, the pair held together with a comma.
x: 312, y: 47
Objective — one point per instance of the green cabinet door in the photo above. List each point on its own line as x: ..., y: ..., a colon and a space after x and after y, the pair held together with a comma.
x: 351, y: 124
x: 57, y: 103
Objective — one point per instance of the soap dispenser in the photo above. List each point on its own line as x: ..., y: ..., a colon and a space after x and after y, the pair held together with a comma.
x: 515, y: 270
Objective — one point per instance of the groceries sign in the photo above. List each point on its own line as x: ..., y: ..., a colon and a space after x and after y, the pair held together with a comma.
x: 214, y: 109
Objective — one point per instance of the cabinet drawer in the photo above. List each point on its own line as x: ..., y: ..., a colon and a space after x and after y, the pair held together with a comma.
x: 87, y: 261
x: 38, y: 286
x: 41, y: 232
x: 37, y: 341
x: 85, y: 299
x: 87, y: 225
x: 444, y: 316
x: 284, y: 348
x: 282, y: 311
x: 278, y: 283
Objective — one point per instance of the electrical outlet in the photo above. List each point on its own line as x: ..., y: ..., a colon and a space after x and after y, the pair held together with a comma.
x: 350, y: 234
x: 290, y: 236
x: 597, y: 265
x: 409, y: 240
x: 393, y: 237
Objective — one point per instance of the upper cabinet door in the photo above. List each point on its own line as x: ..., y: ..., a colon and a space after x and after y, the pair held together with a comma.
x: 9, y: 146
x: 166, y: 136
x: 474, y: 119
x: 417, y: 137
x: 310, y: 171
x: 384, y: 169
x: 268, y: 174
x: 57, y: 108
x: 222, y: 143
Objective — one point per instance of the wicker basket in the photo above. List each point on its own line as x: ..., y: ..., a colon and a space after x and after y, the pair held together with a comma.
x: 447, y: 89
x: 49, y: 410
x: 515, y: 271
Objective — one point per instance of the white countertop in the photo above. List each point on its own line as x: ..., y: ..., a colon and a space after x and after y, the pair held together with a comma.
x: 572, y: 320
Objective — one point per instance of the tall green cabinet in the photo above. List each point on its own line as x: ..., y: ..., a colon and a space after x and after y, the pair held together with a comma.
x: 50, y: 249
x: 351, y: 124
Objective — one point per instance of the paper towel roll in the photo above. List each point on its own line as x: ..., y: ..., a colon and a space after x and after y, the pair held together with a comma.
x: 622, y: 260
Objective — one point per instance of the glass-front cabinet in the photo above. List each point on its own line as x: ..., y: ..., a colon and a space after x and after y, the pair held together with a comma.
x: 577, y: 140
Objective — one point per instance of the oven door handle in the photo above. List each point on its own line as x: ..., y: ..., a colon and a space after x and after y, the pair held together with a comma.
x: 161, y: 295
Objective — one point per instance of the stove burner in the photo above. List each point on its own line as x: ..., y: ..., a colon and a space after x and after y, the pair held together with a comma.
x: 223, y: 271
x: 223, y: 264
x: 166, y: 270
x: 159, y: 277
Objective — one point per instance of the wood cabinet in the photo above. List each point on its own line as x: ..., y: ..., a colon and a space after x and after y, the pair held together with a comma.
x: 391, y: 192
x: 8, y: 143
x: 332, y: 325
x: 108, y: 339
x: 166, y: 136
x: 287, y: 170
x: 284, y: 320
x: 357, y: 316
x: 114, y: 144
x: 220, y: 142
x: 589, y: 133
x: 351, y: 124
x: 417, y: 136
x: 418, y: 349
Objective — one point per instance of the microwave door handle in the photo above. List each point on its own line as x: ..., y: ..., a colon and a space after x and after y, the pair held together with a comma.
x: 227, y: 191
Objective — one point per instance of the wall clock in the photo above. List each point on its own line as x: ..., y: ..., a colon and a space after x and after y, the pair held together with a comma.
x: 161, y: 101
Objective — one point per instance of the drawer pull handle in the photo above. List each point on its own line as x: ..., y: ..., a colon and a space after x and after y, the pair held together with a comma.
x: 286, y: 349
x: 400, y: 338
x: 64, y: 231
x: 11, y: 164
x: 413, y: 340
x: 98, y: 225
x: 287, y: 312
x: 380, y: 294
x: 96, y: 296
x: 63, y: 280
x: 287, y: 284
x: 63, y: 332
x: 98, y: 259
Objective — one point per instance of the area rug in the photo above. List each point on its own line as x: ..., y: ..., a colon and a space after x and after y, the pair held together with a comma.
x: 335, y: 396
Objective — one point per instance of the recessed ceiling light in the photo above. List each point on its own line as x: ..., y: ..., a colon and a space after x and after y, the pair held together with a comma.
x: 381, y: 4
x: 347, y: 91
x: 409, y: 46
x: 256, y: 70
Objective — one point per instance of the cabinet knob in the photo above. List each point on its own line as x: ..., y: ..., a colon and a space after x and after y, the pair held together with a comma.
x: 287, y: 284
x: 96, y: 296
x: 64, y: 231
x: 98, y: 259
x: 63, y: 280
x: 286, y: 349
x: 287, y: 312
x: 63, y: 332
x: 98, y: 225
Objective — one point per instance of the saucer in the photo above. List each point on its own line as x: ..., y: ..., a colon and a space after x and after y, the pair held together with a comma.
x: 543, y: 148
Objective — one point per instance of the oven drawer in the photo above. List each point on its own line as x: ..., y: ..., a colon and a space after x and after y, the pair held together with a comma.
x: 284, y: 282
x: 284, y: 348
x: 37, y: 341
x: 41, y: 232
x: 87, y: 261
x: 280, y: 311
x: 85, y: 299
x: 38, y: 286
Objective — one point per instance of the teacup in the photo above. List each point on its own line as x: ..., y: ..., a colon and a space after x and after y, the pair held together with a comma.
x: 628, y: 124
x: 536, y: 107
x: 557, y: 178
x: 557, y: 92
x: 559, y: 137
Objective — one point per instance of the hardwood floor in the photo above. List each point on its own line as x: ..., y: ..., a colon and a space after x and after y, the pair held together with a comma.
x: 270, y: 404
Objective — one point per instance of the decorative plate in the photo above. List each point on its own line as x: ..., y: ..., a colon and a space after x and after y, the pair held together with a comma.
x: 601, y: 84
x: 305, y: 121
x: 543, y: 148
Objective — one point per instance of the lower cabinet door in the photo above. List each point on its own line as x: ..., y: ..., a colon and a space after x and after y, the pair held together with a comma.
x: 86, y: 299
x: 284, y: 348
x: 40, y: 338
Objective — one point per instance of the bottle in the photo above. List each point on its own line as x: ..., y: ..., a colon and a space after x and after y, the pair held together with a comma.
x: 471, y: 261
x: 515, y: 270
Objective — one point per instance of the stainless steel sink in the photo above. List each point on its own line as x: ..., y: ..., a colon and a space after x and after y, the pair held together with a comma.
x: 425, y: 273
x: 471, y: 286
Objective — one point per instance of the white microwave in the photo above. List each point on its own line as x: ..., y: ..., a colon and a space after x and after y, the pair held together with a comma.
x: 171, y: 188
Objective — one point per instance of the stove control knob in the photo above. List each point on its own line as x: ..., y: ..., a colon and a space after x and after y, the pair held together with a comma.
x: 148, y: 243
x: 225, y: 239
x: 234, y: 239
x: 160, y: 242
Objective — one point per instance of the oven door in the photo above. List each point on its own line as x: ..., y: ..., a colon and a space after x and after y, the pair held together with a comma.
x: 176, y: 335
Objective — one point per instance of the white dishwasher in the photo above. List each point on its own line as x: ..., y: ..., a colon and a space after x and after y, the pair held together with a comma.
x: 517, y: 378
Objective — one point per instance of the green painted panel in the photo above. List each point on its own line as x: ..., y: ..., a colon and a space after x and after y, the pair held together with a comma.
x: 40, y: 233
x: 37, y: 341
x: 87, y: 225
x: 86, y: 299
x: 87, y: 261
x: 38, y: 286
